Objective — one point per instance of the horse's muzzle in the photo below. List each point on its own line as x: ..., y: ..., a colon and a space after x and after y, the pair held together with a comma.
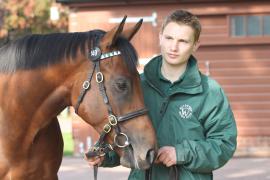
x: 138, y: 160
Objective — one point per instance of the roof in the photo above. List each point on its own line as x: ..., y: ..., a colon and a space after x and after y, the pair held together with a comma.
x: 130, y: 2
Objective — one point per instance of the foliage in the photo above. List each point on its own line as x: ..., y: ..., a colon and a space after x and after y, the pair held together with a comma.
x: 68, y: 144
x: 31, y: 16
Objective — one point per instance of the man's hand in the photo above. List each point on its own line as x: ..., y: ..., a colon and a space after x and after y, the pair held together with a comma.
x: 95, y: 160
x: 167, y: 156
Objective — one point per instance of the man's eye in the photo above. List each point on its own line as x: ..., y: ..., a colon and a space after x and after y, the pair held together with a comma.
x: 183, y: 41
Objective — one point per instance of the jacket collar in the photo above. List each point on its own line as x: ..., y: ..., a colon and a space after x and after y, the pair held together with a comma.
x: 189, y: 82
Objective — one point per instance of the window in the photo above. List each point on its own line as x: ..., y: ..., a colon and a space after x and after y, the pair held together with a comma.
x: 242, y: 26
x: 266, y: 25
x: 237, y: 26
x: 253, y: 26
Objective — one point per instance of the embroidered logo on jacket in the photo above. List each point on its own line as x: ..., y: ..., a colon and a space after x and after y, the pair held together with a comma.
x: 185, y: 111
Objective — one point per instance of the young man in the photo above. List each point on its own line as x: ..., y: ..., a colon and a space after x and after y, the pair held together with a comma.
x: 195, y: 127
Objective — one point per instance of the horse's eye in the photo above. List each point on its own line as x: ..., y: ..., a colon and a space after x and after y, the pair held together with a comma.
x: 121, y: 85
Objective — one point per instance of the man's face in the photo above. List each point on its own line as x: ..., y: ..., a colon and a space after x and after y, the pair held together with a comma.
x: 177, y: 43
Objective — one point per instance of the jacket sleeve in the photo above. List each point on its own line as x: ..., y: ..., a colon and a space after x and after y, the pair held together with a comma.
x: 220, y: 131
x: 111, y: 159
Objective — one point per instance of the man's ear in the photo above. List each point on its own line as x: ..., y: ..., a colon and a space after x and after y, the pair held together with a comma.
x: 111, y: 36
x: 196, y: 46
x: 129, y: 33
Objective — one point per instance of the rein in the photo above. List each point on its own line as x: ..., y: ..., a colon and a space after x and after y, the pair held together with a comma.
x: 101, y: 148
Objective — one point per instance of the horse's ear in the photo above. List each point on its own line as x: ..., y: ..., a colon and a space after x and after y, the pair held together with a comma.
x: 129, y: 33
x: 111, y: 36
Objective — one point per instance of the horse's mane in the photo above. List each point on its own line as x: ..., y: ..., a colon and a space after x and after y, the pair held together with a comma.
x: 36, y: 51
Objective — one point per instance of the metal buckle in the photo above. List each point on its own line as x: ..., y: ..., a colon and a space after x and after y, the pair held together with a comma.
x: 111, y: 147
x: 99, y: 77
x: 107, y: 128
x: 126, y: 143
x: 101, y: 152
x: 112, y: 120
x: 94, y: 148
x: 86, y: 85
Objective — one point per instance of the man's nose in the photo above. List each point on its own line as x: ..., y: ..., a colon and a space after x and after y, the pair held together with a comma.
x: 174, y: 46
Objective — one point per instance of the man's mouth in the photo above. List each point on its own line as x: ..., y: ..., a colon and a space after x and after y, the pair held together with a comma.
x: 173, y: 56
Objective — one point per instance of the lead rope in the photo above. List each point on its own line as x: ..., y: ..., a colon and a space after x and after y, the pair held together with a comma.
x: 148, y: 174
x: 173, y: 173
x: 95, y: 168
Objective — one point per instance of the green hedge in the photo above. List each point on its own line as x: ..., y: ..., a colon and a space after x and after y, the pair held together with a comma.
x: 68, y: 144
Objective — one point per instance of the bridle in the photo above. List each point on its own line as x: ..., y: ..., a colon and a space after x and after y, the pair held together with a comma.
x: 101, y: 148
x: 96, y: 56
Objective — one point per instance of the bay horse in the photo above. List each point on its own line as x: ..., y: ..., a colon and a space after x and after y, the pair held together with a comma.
x: 40, y: 75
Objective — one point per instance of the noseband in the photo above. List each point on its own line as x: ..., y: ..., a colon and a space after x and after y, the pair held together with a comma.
x: 101, y: 148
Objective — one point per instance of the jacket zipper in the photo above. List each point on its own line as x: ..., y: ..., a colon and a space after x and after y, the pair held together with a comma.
x: 165, y: 102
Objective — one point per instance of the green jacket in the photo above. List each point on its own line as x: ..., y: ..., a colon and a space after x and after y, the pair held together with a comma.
x: 194, y: 116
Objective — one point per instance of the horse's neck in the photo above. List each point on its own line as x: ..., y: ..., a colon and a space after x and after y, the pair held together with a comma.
x: 31, y: 99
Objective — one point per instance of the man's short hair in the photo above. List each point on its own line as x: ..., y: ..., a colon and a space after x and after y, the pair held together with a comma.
x: 184, y: 17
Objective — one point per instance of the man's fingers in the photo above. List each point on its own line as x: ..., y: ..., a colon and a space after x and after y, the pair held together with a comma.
x: 101, y: 159
x: 95, y: 161
x: 163, y: 153
x: 166, y: 155
x: 162, y: 157
x: 168, y: 162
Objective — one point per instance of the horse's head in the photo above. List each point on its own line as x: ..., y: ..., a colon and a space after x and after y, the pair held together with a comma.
x: 108, y: 96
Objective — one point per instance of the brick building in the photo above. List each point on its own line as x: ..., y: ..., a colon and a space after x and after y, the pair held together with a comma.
x: 235, y: 50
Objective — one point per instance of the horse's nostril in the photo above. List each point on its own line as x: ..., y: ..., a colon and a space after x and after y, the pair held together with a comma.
x: 150, y: 156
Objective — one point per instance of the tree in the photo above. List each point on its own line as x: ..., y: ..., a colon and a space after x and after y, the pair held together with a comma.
x: 22, y: 17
